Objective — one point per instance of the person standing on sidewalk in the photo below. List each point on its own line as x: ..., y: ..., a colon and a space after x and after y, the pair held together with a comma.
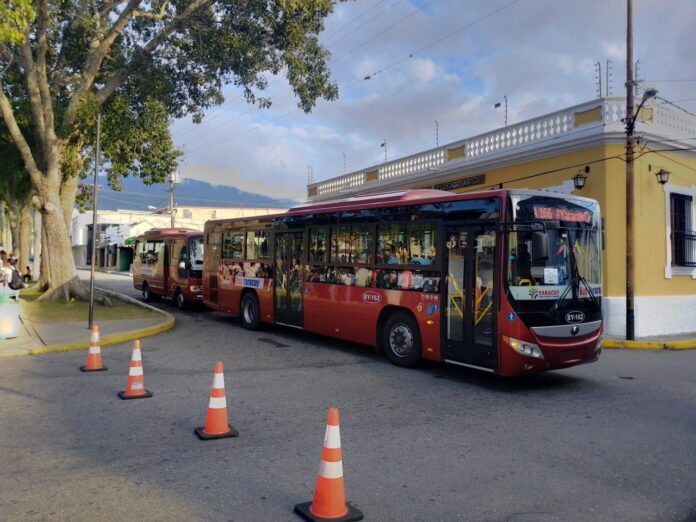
x: 5, y: 272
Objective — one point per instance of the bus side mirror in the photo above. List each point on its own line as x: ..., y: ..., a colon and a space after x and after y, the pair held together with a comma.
x: 540, y: 245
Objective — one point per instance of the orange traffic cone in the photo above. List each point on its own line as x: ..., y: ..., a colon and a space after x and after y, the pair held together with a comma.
x: 135, y: 387
x: 329, y: 495
x: 94, y: 358
x: 216, y: 426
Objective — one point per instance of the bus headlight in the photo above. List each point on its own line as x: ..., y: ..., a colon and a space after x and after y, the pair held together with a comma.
x: 524, y: 347
x: 195, y: 289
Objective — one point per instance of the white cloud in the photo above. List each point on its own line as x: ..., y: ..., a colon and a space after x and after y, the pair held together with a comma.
x: 541, y: 55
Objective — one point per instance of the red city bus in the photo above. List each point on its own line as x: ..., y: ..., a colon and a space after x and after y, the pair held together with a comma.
x: 169, y: 262
x: 506, y: 281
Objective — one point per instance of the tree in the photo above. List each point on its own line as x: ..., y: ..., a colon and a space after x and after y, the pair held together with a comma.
x: 136, y: 58
x: 15, y: 17
x: 15, y: 194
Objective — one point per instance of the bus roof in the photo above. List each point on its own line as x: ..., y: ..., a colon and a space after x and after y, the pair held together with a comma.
x: 395, y: 199
x: 171, y: 233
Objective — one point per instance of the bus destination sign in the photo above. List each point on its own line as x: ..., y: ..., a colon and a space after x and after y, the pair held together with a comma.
x: 562, y: 214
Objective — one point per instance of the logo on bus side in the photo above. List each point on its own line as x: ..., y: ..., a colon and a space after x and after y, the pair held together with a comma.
x: 372, y: 297
x: 248, y: 282
x: 575, y: 317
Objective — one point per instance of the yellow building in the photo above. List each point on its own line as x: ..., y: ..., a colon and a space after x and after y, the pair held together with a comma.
x: 547, y: 153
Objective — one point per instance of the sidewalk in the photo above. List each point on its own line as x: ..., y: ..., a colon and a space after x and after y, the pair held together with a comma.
x: 37, y: 338
x: 667, y: 342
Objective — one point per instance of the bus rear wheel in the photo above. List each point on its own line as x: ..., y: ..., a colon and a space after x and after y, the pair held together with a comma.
x: 180, y: 299
x: 401, y: 340
x: 251, y: 311
x: 147, y: 296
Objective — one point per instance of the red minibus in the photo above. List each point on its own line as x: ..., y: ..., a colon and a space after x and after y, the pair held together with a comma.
x: 506, y: 281
x: 169, y: 262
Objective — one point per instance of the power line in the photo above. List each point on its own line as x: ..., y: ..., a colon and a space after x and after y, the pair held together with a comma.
x: 666, y: 81
x: 438, y: 41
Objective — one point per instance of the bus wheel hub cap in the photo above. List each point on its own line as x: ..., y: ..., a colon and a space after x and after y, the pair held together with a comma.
x: 401, y: 340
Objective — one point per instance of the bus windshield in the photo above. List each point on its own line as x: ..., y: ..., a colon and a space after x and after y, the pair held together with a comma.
x: 568, y: 254
x: 196, y: 254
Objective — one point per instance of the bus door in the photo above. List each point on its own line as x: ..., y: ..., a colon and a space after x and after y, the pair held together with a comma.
x: 166, y: 270
x: 288, y: 278
x: 469, y: 307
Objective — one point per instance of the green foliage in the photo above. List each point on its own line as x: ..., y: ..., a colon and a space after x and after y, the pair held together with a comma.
x: 15, y: 186
x: 170, y: 58
x: 136, y: 140
x: 15, y: 18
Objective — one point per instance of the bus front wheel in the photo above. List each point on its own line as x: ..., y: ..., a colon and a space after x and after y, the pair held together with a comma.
x: 251, y: 311
x: 401, y: 340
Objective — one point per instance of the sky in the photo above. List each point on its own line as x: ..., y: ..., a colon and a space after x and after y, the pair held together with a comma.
x: 403, y: 65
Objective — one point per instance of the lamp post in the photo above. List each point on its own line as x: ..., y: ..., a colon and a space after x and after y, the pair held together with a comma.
x: 95, y: 193
x: 499, y: 104
x: 630, y: 122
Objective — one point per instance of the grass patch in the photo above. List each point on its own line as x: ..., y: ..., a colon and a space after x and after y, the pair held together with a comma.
x: 55, y: 312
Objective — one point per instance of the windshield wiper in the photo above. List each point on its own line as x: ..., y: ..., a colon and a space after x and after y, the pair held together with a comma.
x: 574, y: 285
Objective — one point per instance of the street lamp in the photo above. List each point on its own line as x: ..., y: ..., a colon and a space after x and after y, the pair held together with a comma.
x: 630, y: 121
x: 580, y: 178
x: 662, y: 176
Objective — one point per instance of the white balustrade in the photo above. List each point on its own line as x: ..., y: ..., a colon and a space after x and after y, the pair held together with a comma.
x: 529, y: 134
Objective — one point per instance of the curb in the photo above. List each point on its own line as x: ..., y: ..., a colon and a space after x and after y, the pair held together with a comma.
x: 115, y: 338
x: 619, y: 344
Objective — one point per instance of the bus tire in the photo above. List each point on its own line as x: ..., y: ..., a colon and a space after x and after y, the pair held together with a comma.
x: 401, y: 339
x: 180, y: 299
x: 147, y: 296
x: 250, y: 311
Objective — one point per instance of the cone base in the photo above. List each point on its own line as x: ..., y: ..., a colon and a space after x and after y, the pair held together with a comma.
x: 126, y: 397
x: 231, y: 432
x: 352, y: 515
x: 85, y: 369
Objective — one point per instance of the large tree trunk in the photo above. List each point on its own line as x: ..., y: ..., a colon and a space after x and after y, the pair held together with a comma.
x: 58, y: 273
x: 15, y: 214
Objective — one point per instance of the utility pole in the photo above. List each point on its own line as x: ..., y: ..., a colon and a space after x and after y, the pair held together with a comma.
x: 172, y: 208
x: 95, y: 194
x: 630, y: 122
x: 384, y: 144
x: 598, y: 67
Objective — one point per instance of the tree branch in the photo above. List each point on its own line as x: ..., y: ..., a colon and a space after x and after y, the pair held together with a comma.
x: 117, y: 79
x: 153, y: 16
x: 108, y: 7
x: 19, y: 139
x: 94, y: 60
x: 33, y: 92
x: 42, y: 74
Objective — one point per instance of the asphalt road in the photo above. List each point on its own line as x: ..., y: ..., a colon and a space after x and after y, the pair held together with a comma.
x: 614, y: 440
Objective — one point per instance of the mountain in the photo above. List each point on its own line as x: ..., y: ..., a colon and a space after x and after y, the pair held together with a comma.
x: 189, y: 192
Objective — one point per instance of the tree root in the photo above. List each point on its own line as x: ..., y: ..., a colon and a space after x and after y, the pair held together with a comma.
x: 73, y: 290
